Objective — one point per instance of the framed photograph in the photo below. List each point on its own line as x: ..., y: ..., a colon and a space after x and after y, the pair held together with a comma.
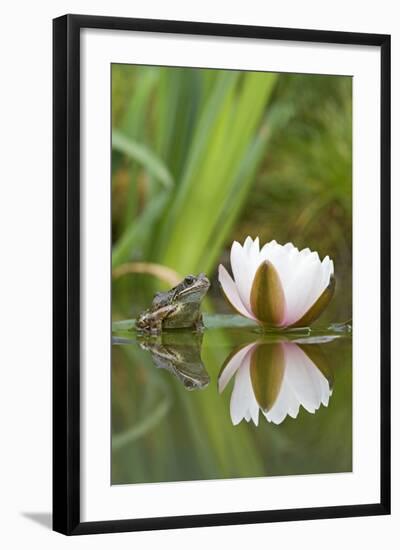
x: 221, y: 274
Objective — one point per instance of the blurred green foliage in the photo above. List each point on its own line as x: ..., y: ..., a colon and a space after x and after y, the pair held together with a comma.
x: 202, y: 157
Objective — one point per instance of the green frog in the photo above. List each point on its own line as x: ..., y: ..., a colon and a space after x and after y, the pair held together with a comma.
x: 179, y: 352
x: 177, y: 308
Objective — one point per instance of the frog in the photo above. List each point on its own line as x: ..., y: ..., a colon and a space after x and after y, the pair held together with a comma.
x: 178, y: 352
x: 179, y: 308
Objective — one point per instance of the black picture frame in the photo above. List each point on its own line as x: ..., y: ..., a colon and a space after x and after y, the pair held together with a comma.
x: 66, y: 272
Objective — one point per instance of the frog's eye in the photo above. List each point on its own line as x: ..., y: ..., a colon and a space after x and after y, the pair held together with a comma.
x: 189, y: 280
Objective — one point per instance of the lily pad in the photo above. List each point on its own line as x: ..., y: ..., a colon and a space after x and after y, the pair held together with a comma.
x: 124, y: 325
x: 211, y: 321
x: 227, y: 321
x: 126, y: 328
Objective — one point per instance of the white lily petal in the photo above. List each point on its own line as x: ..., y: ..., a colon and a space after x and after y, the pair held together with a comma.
x: 327, y: 266
x: 283, y: 258
x: 254, y: 261
x: 307, y: 382
x: 254, y: 410
x: 244, y: 262
x: 256, y: 246
x: 288, y: 246
x: 247, y: 244
x: 278, y: 412
x: 326, y: 393
x: 231, y: 292
x: 304, y: 289
x: 240, y: 270
x: 286, y: 404
x: 267, y: 248
x: 243, y: 401
x: 233, y: 365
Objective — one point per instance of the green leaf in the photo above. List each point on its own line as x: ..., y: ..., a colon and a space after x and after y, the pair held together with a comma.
x: 123, y: 325
x: 144, y: 156
x: 227, y: 321
x: 133, y: 123
x: 143, y: 426
x: 136, y: 233
x: 235, y: 199
x: 227, y: 129
x: 133, y: 126
x: 211, y: 321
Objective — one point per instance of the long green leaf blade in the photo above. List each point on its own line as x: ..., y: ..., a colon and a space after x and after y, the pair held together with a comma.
x: 144, y: 156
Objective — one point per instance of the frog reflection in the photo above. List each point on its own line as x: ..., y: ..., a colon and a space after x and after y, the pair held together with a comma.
x: 178, y: 352
x: 276, y: 378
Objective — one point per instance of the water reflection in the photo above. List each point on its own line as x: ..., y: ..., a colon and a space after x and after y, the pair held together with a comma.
x: 162, y: 432
x: 276, y: 378
x: 178, y: 352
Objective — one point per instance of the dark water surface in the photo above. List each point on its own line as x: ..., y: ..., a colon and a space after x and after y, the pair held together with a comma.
x: 230, y: 403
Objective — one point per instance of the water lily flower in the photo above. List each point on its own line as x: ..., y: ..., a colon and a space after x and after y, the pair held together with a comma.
x: 275, y: 378
x: 277, y: 285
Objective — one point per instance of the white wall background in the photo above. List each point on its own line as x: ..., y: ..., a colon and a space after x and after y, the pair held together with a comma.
x: 25, y: 273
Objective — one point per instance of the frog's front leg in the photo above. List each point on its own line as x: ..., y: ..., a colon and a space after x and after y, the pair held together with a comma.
x: 199, y: 324
x: 157, y: 323
x: 155, y: 326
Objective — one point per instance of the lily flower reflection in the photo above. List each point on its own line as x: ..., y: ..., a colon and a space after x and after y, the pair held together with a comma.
x: 275, y: 378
